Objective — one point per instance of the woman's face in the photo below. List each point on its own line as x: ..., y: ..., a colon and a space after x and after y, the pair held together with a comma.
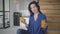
x: 34, y: 8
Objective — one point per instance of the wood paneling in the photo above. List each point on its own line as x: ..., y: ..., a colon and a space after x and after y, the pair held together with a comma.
x: 53, y: 32
x: 51, y: 12
x: 51, y: 8
x: 50, y: 0
x: 54, y: 25
x: 49, y: 3
x: 53, y: 18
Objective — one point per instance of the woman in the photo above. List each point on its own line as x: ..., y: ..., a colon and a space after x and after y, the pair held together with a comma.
x: 35, y: 26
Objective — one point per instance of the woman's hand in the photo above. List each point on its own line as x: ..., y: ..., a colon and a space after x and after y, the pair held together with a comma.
x: 43, y: 24
x: 26, y: 24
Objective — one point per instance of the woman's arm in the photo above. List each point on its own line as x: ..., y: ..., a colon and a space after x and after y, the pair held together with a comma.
x: 44, y: 28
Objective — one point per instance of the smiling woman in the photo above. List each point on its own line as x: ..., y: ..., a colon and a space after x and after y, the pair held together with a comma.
x: 37, y: 21
x: 36, y: 16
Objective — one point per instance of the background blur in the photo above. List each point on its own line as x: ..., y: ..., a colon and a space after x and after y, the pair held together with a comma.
x: 11, y: 10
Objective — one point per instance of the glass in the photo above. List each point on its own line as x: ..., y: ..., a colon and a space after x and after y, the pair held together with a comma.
x: 1, y: 21
x: 6, y: 5
x: 1, y: 13
x: 7, y: 19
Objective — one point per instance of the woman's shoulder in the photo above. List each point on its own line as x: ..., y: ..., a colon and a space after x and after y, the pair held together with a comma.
x: 30, y: 17
x: 42, y: 15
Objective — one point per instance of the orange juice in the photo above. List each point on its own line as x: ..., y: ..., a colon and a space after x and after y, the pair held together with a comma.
x: 43, y: 23
x: 22, y: 19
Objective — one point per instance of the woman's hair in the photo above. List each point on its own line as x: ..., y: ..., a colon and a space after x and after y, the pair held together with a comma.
x: 29, y: 8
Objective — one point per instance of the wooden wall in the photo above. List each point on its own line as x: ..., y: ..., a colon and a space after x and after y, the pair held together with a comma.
x: 51, y: 8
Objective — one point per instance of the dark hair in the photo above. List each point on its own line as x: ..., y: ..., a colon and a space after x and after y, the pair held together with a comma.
x: 29, y: 8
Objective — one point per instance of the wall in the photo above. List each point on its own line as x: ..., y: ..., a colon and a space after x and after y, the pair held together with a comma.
x: 24, y: 7
x: 51, y: 8
x: 12, y: 10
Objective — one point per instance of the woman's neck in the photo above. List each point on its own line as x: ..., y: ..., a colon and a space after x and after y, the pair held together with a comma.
x: 35, y: 14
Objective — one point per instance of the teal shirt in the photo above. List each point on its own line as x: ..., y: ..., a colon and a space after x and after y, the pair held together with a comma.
x: 35, y: 26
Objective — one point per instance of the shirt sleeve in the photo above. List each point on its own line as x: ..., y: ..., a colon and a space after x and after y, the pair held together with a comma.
x: 45, y: 29
x: 29, y: 26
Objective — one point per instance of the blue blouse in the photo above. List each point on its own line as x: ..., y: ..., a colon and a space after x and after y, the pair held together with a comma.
x: 34, y: 27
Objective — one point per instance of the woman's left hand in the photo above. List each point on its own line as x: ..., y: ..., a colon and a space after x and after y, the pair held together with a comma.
x: 43, y: 24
